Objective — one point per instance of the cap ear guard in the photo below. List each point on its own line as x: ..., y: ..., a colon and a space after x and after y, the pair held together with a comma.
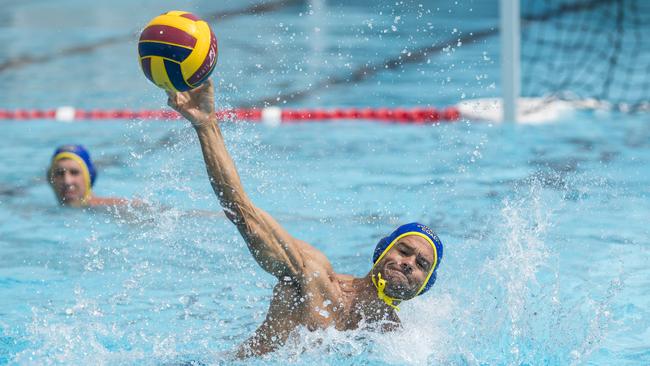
x: 430, y: 282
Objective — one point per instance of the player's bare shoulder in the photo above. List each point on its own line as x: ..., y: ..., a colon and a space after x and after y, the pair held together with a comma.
x: 314, y: 261
x: 318, y: 272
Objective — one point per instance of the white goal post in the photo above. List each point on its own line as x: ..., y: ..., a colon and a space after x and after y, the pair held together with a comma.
x: 509, y: 32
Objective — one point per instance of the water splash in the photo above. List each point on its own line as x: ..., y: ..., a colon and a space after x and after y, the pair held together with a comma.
x: 517, y: 305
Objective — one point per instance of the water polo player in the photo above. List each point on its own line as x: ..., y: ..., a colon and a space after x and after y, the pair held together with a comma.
x: 72, y: 175
x: 309, y: 293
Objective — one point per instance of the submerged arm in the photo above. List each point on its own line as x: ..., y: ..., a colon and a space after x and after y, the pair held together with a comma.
x: 273, y: 248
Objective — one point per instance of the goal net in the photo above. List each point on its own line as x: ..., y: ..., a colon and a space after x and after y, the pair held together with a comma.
x: 595, y: 53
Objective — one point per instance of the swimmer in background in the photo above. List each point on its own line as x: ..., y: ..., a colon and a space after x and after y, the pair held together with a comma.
x: 308, y: 292
x: 72, y: 175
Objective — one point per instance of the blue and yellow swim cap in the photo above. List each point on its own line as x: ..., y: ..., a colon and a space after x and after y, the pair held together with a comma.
x: 79, y: 154
x: 413, y: 228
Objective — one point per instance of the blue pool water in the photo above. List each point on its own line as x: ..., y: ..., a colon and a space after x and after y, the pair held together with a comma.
x: 545, y: 226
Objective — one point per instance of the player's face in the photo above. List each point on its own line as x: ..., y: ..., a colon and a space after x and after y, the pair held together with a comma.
x: 406, y: 266
x: 67, y: 180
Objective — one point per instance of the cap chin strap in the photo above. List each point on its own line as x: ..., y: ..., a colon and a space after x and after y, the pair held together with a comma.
x: 380, y: 284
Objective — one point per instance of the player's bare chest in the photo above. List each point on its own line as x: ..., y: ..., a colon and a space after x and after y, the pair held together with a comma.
x: 311, y: 307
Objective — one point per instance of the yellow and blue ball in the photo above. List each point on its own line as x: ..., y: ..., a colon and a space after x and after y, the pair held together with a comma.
x: 178, y: 51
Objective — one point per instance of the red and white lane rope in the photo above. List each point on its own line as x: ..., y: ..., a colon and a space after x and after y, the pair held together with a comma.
x: 270, y: 115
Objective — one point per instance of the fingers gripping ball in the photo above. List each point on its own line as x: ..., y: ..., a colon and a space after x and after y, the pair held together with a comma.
x: 178, y: 51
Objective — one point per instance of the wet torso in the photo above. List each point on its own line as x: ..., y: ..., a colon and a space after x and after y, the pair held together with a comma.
x: 324, y: 299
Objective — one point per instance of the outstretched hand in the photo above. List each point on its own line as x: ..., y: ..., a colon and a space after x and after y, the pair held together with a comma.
x: 197, y: 105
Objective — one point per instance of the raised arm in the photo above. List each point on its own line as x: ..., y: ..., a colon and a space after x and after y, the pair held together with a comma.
x: 273, y: 248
